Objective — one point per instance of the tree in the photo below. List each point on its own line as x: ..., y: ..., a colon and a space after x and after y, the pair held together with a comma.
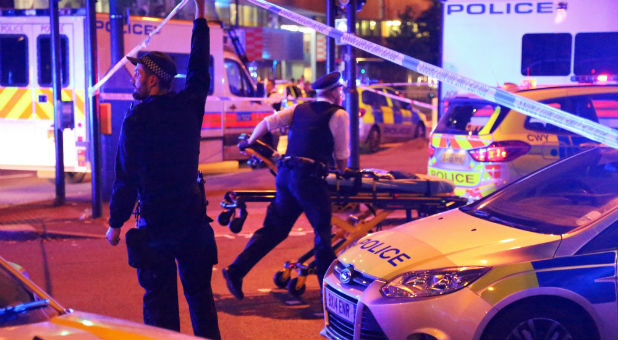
x: 419, y: 34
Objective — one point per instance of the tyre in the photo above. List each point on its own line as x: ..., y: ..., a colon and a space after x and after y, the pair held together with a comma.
x: 539, y: 321
x: 281, y: 278
x: 420, y: 131
x: 373, y: 140
x: 293, y: 289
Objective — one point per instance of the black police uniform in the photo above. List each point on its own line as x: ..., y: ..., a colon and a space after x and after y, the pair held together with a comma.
x: 157, y: 161
x: 300, y: 188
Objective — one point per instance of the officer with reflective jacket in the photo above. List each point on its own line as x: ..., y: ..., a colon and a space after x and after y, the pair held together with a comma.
x: 157, y: 163
x: 318, y: 135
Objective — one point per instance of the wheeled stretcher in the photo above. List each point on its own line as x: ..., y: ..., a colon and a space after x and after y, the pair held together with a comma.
x: 366, y: 199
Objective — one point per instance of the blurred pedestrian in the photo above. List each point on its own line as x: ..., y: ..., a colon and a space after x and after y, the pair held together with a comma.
x: 157, y: 163
x: 318, y: 135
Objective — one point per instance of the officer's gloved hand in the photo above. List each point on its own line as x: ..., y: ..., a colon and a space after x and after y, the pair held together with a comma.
x: 242, y: 145
x: 349, y: 173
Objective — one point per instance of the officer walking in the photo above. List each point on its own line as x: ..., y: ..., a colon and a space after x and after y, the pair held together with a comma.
x: 318, y: 134
x: 156, y: 162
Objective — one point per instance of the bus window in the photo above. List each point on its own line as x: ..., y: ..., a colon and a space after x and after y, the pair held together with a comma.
x: 13, y: 60
x: 45, y: 60
x: 546, y: 54
x: 596, y: 53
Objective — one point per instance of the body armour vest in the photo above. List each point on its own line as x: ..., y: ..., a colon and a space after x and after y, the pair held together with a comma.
x: 310, y: 134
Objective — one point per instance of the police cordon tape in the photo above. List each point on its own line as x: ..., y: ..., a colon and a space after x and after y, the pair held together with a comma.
x: 565, y: 120
x: 93, y: 90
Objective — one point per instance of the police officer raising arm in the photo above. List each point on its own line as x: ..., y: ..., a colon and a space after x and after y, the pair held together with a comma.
x: 318, y: 134
x: 157, y: 165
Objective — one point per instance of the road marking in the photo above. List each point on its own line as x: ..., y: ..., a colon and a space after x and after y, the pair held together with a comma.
x: 249, y: 235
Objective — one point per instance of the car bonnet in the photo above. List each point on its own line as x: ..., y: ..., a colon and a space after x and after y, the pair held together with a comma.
x: 450, y: 239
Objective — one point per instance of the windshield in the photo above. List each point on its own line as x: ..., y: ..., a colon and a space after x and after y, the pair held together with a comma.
x: 468, y: 116
x: 559, y: 198
x: 19, y: 305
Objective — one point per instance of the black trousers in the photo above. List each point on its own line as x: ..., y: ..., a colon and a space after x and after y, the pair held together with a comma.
x: 299, y: 189
x: 193, y: 248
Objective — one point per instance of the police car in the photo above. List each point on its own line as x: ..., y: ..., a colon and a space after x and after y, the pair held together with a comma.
x: 386, y: 118
x: 534, y: 260
x: 481, y: 146
x: 27, y: 312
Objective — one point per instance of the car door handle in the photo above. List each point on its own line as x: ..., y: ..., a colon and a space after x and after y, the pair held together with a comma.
x: 232, y: 107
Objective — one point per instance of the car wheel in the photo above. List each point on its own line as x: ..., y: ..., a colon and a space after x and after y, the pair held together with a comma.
x: 373, y: 140
x: 538, y: 322
x: 420, y: 131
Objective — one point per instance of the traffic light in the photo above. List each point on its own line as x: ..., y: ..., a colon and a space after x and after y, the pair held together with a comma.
x: 342, y: 4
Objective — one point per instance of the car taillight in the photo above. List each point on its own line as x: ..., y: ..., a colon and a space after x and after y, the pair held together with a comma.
x: 361, y: 112
x: 500, y: 151
x: 430, y: 150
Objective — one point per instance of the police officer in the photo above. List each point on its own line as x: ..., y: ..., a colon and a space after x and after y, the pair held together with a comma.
x: 157, y: 162
x: 318, y: 134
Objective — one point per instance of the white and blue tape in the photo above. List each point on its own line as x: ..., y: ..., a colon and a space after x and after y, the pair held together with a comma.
x: 565, y: 120
x: 95, y: 88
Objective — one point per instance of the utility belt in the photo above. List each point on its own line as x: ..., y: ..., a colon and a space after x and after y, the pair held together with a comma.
x: 139, y: 253
x: 317, y: 168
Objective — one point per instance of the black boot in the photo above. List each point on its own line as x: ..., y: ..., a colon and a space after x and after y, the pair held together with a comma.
x: 234, y: 283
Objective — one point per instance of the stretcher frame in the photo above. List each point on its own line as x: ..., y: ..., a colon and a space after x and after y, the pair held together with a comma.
x: 379, y: 205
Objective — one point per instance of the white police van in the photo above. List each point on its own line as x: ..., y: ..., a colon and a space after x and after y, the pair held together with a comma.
x: 530, y: 42
x: 26, y: 98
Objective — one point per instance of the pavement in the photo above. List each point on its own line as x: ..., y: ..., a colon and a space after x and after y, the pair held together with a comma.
x: 40, y: 217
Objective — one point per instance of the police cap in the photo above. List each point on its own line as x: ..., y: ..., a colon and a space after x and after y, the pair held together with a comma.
x: 327, y: 82
x: 158, y: 63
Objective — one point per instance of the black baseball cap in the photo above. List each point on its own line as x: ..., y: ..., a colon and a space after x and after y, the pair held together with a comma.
x: 158, y: 63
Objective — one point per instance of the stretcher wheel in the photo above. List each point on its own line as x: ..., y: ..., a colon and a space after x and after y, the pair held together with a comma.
x: 293, y: 288
x: 282, y: 278
x: 224, y: 217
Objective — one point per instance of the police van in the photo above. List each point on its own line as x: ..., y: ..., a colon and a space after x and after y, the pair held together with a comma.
x: 529, y: 42
x: 26, y: 99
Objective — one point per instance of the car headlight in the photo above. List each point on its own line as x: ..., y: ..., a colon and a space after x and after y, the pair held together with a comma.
x: 433, y: 282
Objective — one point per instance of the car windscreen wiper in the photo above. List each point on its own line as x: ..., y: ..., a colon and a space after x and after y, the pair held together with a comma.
x: 488, y: 216
x: 475, y: 212
x: 24, y: 307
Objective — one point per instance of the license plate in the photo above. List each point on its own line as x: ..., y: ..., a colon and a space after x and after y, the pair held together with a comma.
x: 453, y: 157
x: 339, y: 306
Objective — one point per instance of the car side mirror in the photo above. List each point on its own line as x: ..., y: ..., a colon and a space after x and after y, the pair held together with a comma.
x: 260, y: 91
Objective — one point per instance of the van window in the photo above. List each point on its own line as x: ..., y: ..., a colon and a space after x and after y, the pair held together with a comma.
x: 237, y: 79
x: 182, y: 62
x: 45, y: 60
x: 468, y: 116
x: 596, y: 53
x: 13, y: 60
x: 582, y: 106
x: 546, y: 54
